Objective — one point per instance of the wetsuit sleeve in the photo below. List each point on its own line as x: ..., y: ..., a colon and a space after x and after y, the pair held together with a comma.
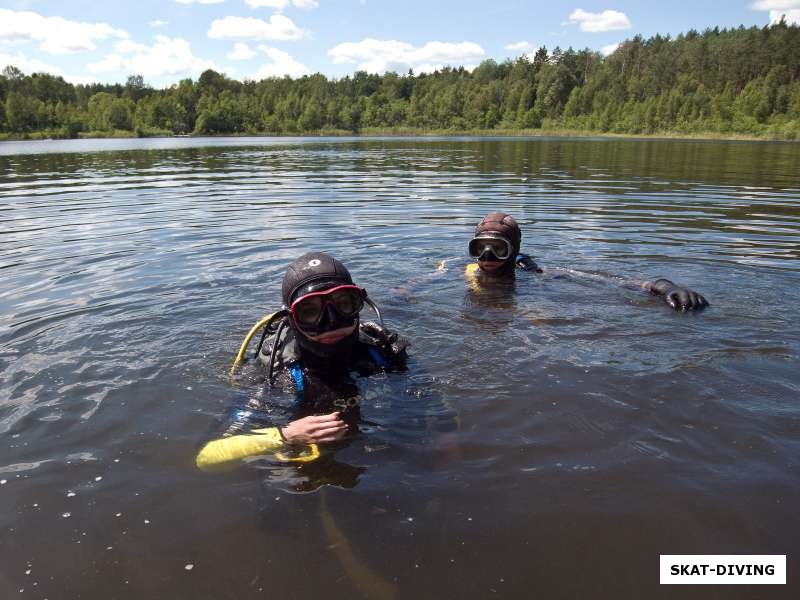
x: 223, y: 451
x: 678, y: 297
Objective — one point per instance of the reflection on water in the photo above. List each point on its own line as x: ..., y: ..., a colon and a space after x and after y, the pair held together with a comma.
x: 597, y: 427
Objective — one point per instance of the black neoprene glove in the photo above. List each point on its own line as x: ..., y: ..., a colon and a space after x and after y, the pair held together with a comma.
x: 388, y: 342
x: 679, y: 298
x: 526, y: 263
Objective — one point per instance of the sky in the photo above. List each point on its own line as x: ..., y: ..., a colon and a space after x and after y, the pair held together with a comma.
x: 168, y: 40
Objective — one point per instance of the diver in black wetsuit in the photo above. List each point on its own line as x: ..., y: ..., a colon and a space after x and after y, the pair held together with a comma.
x: 317, y: 342
x: 496, y: 246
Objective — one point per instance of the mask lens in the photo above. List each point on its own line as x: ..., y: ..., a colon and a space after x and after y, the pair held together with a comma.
x: 308, y: 310
x: 496, y: 248
x: 348, y: 302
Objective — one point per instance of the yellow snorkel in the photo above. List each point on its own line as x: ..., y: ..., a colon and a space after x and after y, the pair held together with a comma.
x: 265, y: 322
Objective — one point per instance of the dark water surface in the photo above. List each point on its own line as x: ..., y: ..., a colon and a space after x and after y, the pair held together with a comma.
x: 598, y: 429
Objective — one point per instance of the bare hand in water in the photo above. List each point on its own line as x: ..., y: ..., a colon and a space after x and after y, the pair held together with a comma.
x: 315, y: 429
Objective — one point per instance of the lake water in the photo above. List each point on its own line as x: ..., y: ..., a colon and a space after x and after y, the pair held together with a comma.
x: 598, y: 428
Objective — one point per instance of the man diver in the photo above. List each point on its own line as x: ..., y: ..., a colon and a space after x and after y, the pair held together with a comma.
x: 496, y: 247
x: 316, y: 342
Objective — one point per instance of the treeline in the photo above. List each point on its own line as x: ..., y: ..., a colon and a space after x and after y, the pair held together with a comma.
x: 729, y: 81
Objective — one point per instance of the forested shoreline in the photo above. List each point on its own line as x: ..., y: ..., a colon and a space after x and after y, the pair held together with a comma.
x: 721, y: 82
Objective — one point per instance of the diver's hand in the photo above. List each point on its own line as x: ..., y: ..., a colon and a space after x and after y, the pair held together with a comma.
x: 315, y: 429
x: 679, y: 298
x: 389, y: 342
x: 526, y: 263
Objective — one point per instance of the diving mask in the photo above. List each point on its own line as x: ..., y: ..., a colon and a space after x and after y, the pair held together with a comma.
x: 345, y: 300
x: 490, y: 247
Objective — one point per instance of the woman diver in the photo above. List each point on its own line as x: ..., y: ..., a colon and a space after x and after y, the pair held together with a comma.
x: 315, y: 343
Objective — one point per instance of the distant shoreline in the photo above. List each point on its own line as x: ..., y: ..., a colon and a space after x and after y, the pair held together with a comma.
x: 370, y: 132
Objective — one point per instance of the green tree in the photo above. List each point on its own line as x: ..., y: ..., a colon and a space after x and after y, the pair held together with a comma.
x: 20, y: 113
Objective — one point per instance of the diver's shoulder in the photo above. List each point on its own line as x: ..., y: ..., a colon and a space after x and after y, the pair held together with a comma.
x: 285, y: 349
x: 384, y: 347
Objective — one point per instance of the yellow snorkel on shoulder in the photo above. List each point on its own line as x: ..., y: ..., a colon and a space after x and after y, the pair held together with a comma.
x: 262, y: 324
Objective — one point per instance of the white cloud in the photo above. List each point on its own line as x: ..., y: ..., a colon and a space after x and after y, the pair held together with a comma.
x: 524, y: 46
x: 276, y: 4
x: 379, y: 56
x: 31, y: 65
x: 278, y: 27
x: 199, y: 1
x: 158, y: 23
x: 792, y: 16
x: 168, y: 56
x: 608, y: 20
x: 282, y: 64
x: 775, y: 4
x: 281, y: 4
x: 780, y: 9
x: 241, y: 52
x: 129, y: 46
x: 54, y: 34
x: 27, y: 65
x: 606, y: 50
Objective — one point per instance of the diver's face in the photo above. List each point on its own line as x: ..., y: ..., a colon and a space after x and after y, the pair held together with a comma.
x: 330, y: 315
x: 490, y: 266
x: 333, y: 336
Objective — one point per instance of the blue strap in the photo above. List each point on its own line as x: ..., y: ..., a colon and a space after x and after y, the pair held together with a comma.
x: 376, y: 355
x: 242, y: 415
x: 297, y: 376
x: 299, y: 384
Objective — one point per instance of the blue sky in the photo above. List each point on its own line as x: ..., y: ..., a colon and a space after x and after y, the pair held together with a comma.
x: 167, y: 40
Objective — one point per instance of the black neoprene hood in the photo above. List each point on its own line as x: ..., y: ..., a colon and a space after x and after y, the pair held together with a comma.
x: 502, y: 224
x: 312, y: 268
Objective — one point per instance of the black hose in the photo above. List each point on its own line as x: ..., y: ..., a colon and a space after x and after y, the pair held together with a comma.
x: 261, y: 341
x: 268, y: 328
x: 375, y: 308
x: 271, y: 367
